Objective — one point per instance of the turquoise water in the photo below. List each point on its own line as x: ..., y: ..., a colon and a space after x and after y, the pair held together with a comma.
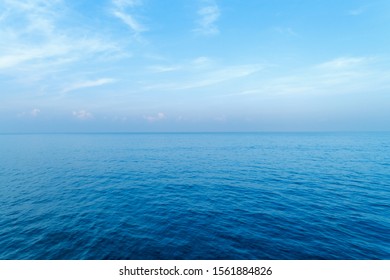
x: 195, y: 196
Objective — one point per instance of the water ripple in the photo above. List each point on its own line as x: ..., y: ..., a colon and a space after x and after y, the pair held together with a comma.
x: 195, y: 196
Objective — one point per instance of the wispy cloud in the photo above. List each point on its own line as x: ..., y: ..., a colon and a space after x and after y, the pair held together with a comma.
x: 155, y: 118
x: 338, y: 76
x: 208, y: 16
x: 197, y: 64
x: 357, y: 11
x: 130, y: 21
x: 62, y: 49
x: 82, y: 115
x: 32, y: 113
x: 35, y: 112
x: 287, y: 31
x: 209, y: 78
x: 201, y: 62
x: 163, y: 68
x: 88, y: 84
x: 41, y: 41
x: 38, y: 22
x: 343, y: 62
x: 126, y: 3
x: 120, y: 8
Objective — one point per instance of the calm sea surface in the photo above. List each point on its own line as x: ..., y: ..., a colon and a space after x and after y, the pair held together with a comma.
x: 195, y: 196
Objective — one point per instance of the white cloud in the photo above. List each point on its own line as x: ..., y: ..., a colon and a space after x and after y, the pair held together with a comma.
x: 197, y: 64
x: 204, y: 79
x: 82, y: 115
x: 155, y: 118
x: 358, y: 11
x: 35, y: 112
x: 87, y: 84
x: 40, y: 41
x: 343, y: 62
x: 288, y: 31
x: 208, y: 16
x: 221, y: 118
x: 36, y: 15
x: 201, y: 62
x: 128, y: 18
x: 126, y: 3
x: 14, y: 56
x: 338, y: 76
x: 130, y: 21
x: 163, y: 69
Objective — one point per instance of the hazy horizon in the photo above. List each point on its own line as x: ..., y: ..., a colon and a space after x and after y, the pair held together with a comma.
x: 194, y: 66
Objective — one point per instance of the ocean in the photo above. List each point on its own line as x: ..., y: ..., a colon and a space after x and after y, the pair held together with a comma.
x: 155, y: 196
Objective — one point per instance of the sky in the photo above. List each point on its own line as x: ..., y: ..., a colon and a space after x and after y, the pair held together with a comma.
x: 194, y: 65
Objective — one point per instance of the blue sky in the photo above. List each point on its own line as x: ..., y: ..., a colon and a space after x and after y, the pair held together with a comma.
x: 194, y: 65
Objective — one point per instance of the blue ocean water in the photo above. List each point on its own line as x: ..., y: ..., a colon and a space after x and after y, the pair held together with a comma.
x: 195, y: 196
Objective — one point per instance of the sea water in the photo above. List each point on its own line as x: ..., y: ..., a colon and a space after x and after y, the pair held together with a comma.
x: 195, y: 196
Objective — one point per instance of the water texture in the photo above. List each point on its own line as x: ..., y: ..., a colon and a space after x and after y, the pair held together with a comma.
x: 195, y: 196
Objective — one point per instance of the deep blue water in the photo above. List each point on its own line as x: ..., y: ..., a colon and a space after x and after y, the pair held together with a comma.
x: 195, y: 196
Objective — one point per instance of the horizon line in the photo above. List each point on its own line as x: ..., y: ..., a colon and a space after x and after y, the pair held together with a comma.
x: 195, y: 132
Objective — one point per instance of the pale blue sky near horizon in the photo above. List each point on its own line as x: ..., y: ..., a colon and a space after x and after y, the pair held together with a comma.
x: 194, y: 65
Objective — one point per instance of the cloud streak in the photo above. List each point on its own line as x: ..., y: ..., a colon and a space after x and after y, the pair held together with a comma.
x: 88, y: 84
x: 155, y: 118
x: 55, y: 49
x: 343, y: 62
x: 358, y: 11
x: 163, y: 69
x: 341, y: 75
x: 208, y: 16
x: 35, y: 112
x: 287, y: 31
x: 126, y: 3
x: 82, y: 115
x: 209, y: 78
x: 130, y: 21
x: 42, y: 43
x: 119, y: 11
